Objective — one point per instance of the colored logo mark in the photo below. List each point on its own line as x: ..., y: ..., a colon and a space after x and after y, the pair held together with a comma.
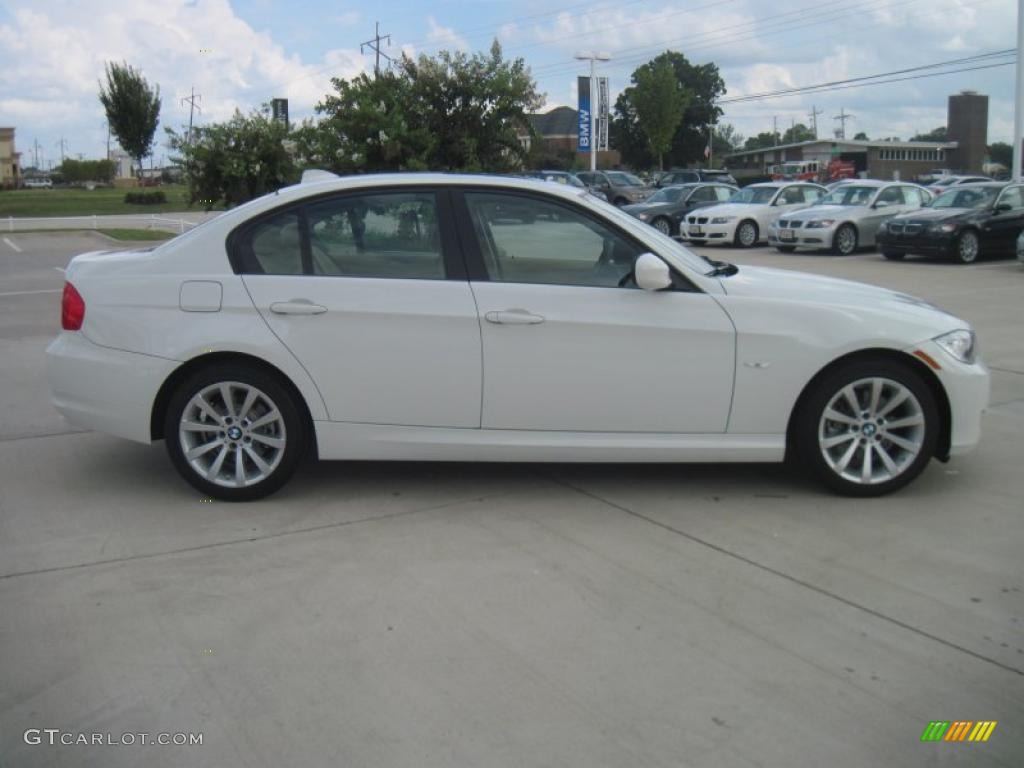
x: 958, y: 730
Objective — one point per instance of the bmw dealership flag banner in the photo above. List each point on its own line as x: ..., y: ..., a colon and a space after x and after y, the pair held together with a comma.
x: 584, y: 138
x: 602, y: 114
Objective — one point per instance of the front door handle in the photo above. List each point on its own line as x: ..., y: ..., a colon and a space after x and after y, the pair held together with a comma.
x: 297, y: 307
x: 513, y: 317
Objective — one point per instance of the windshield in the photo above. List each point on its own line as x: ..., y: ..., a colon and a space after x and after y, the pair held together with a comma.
x: 624, y: 179
x: 667, y: 195
x: 966, y: 197
x: 849, y: 194
x: 755, y: 195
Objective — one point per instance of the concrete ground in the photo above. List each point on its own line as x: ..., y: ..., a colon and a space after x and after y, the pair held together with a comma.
x: 507, y: 615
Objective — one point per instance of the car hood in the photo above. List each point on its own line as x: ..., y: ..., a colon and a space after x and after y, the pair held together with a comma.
x: 853, y: 298
x: 733, y: 209
x: 938, y: 214
x: 648, y: 208
x: 827, y: 212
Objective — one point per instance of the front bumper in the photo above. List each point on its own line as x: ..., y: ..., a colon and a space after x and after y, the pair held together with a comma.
x: 104, y: 389
x: 921, y: 242
x: 802, y: 237
x: 722, y: 233
x: 968, y: 387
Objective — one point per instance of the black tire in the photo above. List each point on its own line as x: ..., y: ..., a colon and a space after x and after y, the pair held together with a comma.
x: 621, y: 201
x: 893, y: 255
x: 809, y: 424
x: 845, y: 240
x: 785, y: 248
x: 275, y: 394
x: 663, y: 225
x: 963, y: 252
x: 741, y: 239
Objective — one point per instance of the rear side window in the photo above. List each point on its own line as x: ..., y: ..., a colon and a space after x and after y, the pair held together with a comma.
x: 274, y: 245
x: 390, y: 235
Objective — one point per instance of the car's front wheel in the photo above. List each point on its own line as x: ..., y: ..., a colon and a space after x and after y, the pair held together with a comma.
x: 746, y: 234
x: 663, y: 225
x: 867, y: 428
x: 845, y: 240
x: 234, y: 432
x: 967, y: 247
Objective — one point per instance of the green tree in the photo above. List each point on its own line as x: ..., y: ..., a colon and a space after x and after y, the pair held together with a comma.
x: 725, y: 141
x: 133, y: 109
x: 797, y: 133
x: 659, y: 100
x: 452, y: 111
x: 702, y: 83
x: 1002, y: 153
x: 237, y: 160
x: 936, y: 134
x: 762, y: 141
x: 86, y: 170
x: 861, y: 136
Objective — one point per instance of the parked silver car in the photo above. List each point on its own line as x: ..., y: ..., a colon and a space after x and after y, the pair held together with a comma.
x: 847, y: 218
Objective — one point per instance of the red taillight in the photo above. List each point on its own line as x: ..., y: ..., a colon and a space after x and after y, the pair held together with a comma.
x: 72, y: 309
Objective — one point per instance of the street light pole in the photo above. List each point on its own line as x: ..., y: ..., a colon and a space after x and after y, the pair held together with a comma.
x: 1018, y: 108
x: 595, y: 57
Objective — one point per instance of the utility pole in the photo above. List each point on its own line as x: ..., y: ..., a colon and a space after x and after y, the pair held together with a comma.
x: 35, y: 149
x: 814, y: 119
x: 374, y: 45
x: 842, y: 117
x: 191, y: 101
x: 1018, y: 107
x: 775, y: 130
x: 63, y: 145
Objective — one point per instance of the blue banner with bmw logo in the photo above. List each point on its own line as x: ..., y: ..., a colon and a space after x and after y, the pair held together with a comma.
x: 584, y: 138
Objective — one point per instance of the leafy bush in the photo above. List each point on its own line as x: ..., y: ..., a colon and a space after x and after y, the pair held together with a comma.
x: 145, y: 198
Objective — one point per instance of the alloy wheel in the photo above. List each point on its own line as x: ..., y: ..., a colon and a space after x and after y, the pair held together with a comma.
x: 232, y: 434
x: 846, y: 240
x: 747, y: 234
x: 967, y: 247
x: 662, y: 226
x: 871, y: 430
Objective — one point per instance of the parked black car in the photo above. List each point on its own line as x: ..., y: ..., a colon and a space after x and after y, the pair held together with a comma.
x: 965, y: 222
x: 693, y: 175
x: 664, y: 210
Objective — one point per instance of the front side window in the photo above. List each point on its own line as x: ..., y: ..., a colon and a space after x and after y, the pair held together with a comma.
x: 623, y: 179
x: 791, y: 196
x: 1012, y: 197
x: 667, y: 195
x: 704, y: 195
x: 754, y: 195
x: 724, y: 193
x: 387, y: 235
x: 891, y: 196
x: 966, y: 197
x: 849, y: 194
x: 913, y: 196
x: 532, y: 240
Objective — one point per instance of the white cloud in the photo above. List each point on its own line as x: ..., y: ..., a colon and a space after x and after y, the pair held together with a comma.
x: 445, y: 37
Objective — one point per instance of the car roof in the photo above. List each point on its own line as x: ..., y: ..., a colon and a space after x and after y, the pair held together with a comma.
x: 780, y: 184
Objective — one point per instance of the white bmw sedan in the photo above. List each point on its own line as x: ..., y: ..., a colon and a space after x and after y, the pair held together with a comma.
x: 474, y: 318
x: 745, y: 219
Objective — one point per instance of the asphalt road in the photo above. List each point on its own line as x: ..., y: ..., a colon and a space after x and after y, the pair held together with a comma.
x: 507, y: 615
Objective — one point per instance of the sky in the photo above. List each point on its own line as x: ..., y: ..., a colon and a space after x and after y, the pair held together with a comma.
x: 238, y: 55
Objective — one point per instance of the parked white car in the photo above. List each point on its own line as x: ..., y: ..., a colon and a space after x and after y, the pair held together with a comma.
x: 475, y: 318
x: 38, y: 184
x: 744, y: 220
x: 847, y: 218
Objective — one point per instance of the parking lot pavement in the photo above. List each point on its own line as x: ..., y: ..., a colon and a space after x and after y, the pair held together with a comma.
x: 376, y: 614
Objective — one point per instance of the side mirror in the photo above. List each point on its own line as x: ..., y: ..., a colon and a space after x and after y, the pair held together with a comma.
x: 1003, y: 208
x: 881, y: 204
x: 651, y: 273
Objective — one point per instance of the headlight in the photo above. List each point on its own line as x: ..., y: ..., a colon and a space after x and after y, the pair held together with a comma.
x: 959, y: 344
x: 722, y: 219
x: 937, y: 228
x: 820, y: 223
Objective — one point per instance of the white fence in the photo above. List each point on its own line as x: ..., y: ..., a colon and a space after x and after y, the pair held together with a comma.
x: 125, y: 221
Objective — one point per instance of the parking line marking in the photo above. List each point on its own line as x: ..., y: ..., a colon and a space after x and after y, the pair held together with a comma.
x: 12, y: 244
x: 59, y: 269
x: 27, y: 293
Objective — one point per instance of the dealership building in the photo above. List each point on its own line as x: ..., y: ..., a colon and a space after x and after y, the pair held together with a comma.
x: 965, y: 150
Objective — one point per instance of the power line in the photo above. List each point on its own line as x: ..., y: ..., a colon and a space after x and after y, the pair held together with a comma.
x: 864, y: 79
x: 191, y: 101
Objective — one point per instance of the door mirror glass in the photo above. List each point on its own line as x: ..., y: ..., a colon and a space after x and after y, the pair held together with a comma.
x: 1003, y: 208
x: 882, y: 204
x: 651, y: 273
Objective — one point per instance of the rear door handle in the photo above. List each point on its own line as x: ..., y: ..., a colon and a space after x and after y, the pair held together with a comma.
x: 513, y: 317
x: 297, y: 307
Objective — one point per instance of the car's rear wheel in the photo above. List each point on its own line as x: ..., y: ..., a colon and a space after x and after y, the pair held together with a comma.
x: 867, y: 428
x: 235, y: 432
x: 893, y: 255
x: 663, y: 225
x: 967, y: 247
x: 746, y: 234
x: 845, y: 240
